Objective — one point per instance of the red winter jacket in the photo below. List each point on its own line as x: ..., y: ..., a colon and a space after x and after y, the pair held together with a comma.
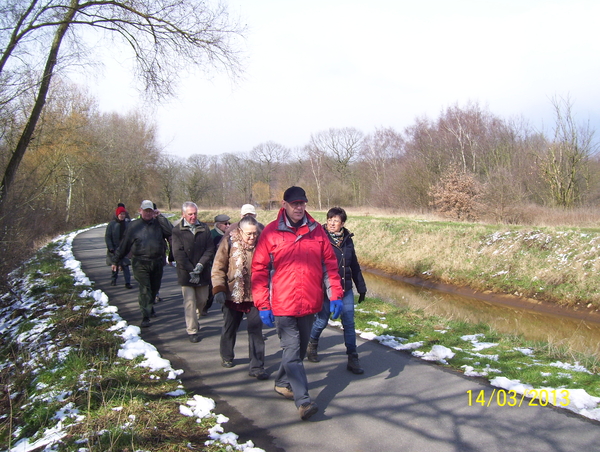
x: 292, y: 266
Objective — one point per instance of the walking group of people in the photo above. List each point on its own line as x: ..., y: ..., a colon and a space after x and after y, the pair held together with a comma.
x: 292, y: 274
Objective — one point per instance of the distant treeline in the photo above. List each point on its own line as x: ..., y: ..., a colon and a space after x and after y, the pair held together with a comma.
x: 467, y: 163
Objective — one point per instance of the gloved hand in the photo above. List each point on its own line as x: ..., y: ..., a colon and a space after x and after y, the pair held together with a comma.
x: 335, y: 307
x: 198, y: 268
x: 267, y: 317
x: 195, y: 278
x: 361, y: 297
x: 219, y: 297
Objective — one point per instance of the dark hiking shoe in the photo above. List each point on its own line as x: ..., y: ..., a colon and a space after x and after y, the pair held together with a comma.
x: 259, y: 374
x: 128, y: 286
x: 113, y: 283
x: 311, y: 351
x: 354, y: 365
x: 285, y: 391
x: 194, y: 338
x: 307, y: 409
x: 145, y: 323
x: 227, y: 363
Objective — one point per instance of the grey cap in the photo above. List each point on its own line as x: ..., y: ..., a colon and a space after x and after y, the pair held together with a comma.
x: 222, y: 218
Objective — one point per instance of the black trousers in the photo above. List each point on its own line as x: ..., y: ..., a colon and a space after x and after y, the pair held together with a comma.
x: 256, y: 343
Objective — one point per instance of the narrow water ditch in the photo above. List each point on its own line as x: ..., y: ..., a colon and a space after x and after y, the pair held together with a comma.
x: 579, y: 330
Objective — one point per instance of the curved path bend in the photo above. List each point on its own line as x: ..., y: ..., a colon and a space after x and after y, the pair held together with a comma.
x: 399, y: 404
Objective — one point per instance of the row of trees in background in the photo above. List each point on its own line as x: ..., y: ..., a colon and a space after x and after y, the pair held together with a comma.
x: 65, y: 164
x: 467, y: 163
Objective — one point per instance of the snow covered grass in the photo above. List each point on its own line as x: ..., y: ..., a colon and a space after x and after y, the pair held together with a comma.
x: 509, y: 362
x: 77, y: 377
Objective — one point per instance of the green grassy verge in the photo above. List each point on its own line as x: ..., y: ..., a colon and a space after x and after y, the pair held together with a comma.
x: 61, y: 371
x: 478, y: 349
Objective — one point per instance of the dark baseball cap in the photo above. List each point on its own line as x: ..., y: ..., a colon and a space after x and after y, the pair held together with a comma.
x: 294, y: 194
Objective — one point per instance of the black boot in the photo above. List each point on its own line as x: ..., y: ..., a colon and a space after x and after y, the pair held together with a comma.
x: 354, y: 364
x: 113, y: 278
x: 311, y: 351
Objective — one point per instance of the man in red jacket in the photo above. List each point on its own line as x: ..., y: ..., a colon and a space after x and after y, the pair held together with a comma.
x: 292, y: 264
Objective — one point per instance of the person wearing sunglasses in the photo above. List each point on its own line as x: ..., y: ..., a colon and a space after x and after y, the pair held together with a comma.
x: 222, y: 223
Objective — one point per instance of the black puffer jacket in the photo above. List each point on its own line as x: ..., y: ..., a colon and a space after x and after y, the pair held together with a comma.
x: 145, y: 239
x: 348, y: 265
x: 190, y: 249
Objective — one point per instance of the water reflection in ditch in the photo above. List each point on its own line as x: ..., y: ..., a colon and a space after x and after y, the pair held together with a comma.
x: 578, y: 334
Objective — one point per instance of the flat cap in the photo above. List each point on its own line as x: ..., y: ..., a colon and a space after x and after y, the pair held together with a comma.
x: 222, y: 218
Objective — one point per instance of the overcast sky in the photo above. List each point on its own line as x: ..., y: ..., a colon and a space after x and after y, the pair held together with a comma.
x: 317, y: 64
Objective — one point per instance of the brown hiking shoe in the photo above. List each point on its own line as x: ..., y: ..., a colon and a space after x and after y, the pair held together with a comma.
x: 307, y: 409
x: 285, y: 391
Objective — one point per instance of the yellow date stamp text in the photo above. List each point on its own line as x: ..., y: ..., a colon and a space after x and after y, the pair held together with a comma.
x: 535, y: 397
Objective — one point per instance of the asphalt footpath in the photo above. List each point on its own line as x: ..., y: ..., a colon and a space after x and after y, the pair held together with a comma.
x: 400, y: 403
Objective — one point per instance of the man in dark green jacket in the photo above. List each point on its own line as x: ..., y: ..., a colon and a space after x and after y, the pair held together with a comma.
x: 145, y: 238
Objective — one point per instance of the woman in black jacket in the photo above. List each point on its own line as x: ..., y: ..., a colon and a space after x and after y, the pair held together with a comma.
x: 115, y: 231
x: 349, y: 269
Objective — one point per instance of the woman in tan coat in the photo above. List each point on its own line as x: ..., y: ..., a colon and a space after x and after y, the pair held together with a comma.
x: 231, y: 280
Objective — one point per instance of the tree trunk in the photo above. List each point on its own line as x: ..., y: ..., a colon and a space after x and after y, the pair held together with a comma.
x: 15, y: 160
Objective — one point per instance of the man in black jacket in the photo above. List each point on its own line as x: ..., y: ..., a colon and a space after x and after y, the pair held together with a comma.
x: 145, y: 238
x: 193, y: 249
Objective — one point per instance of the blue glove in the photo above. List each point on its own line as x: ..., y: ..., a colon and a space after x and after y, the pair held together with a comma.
x: 335, y: 307
x: 267, y: 317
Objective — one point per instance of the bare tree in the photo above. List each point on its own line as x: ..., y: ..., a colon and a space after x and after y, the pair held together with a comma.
x: 196, y: 180
x: 170, y: 170
x: 164, y: 36
x: 127, y: 158
x: 268, y: 157
x: 381, y: 152
x: 316, y: 158
x: 238, y: 174
x: 565, y: 163
x: 342, y: 145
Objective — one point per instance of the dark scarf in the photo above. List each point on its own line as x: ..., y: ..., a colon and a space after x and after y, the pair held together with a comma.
x: 336, y: 237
